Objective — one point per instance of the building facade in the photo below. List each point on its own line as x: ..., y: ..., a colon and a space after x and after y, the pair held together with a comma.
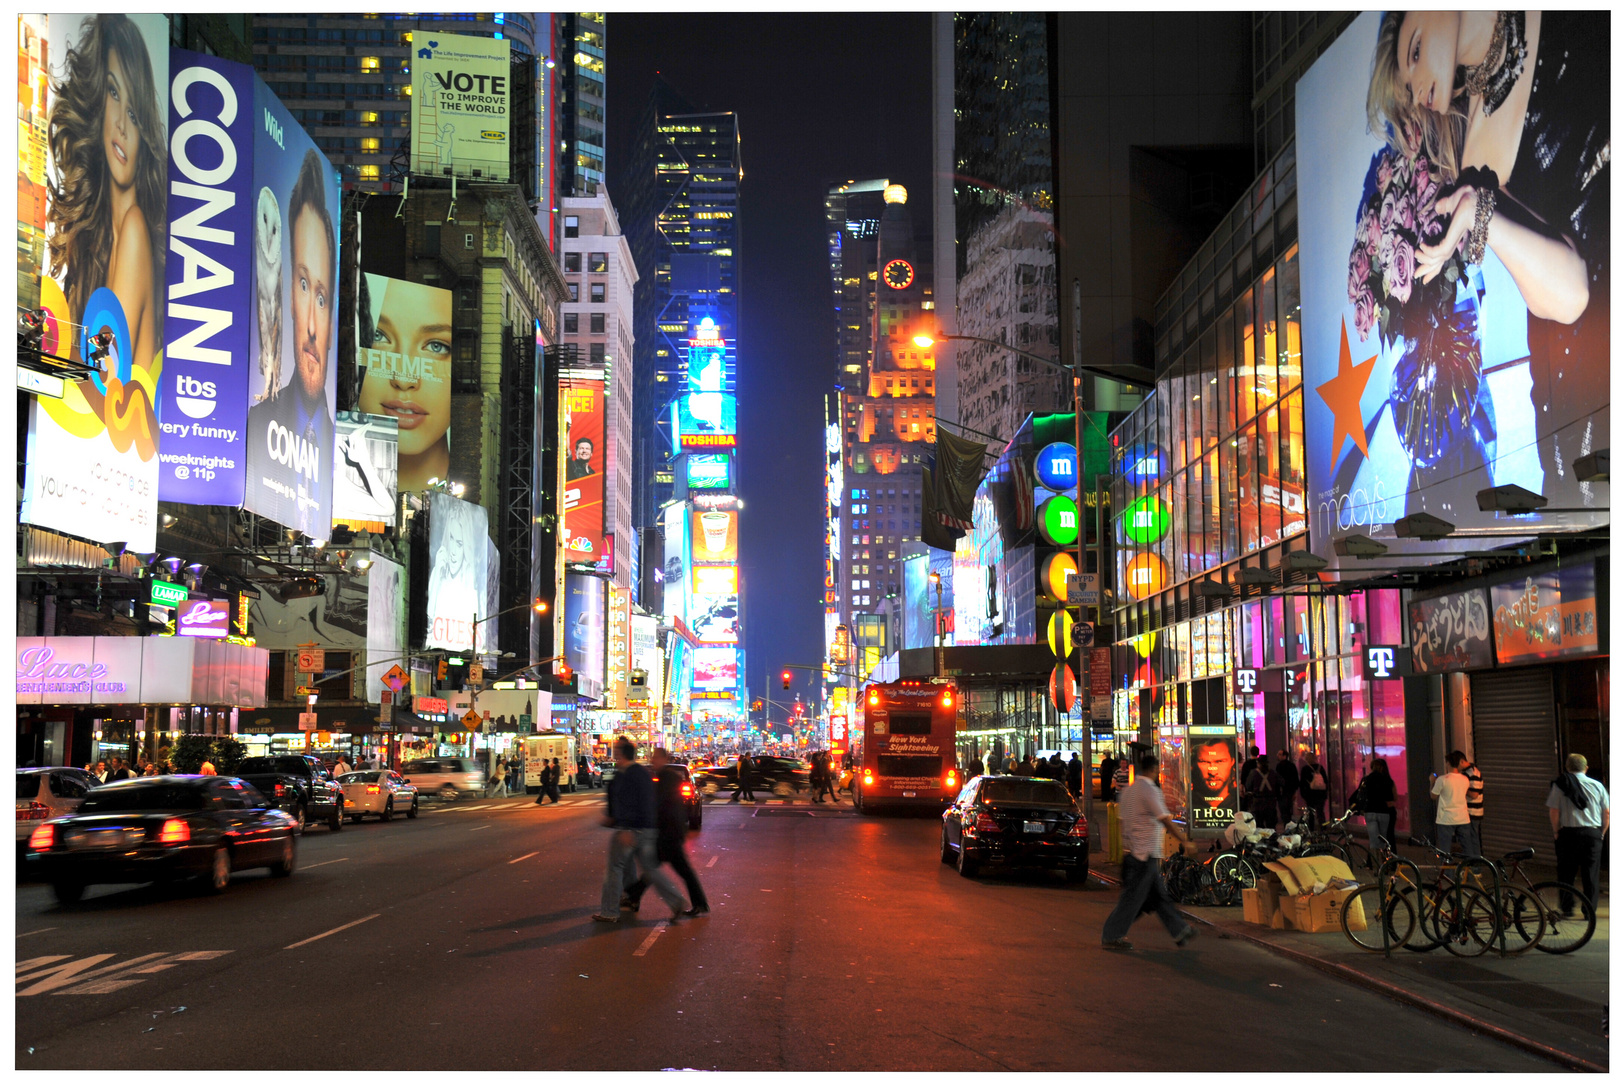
x: 582, y: 77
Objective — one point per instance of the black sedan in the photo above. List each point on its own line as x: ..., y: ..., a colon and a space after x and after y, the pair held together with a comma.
x: 784, y: 776
x: 1015, y: 821
x: 691, y: 797
x: 164, y: 828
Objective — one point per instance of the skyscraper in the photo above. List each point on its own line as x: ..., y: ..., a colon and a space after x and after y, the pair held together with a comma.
x: 681, y: 217
x: 886, y: 411
x: 582, y: 41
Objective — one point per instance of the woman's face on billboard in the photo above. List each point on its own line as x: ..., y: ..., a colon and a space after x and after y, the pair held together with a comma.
x: 415, y: 323
x: 1427, y: 54
x: 120, y: 138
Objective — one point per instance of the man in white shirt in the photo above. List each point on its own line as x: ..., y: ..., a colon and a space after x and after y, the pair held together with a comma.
x: 1452, y: 795
x: 1144, y: 822
x: 1580, y: 815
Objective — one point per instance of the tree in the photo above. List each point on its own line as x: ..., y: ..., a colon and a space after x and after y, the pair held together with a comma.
x: 191, y: 751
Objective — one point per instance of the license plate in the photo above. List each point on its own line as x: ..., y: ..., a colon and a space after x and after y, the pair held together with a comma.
x: 1035, y: 826
x: 909, y: 794
x: 101, y: 838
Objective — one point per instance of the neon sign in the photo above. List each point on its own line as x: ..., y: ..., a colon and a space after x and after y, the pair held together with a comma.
x: 204, y: 618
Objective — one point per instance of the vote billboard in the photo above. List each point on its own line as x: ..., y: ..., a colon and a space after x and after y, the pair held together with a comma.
x: 461, y: 101
x: 92, y: 129
x: 1434, y: 370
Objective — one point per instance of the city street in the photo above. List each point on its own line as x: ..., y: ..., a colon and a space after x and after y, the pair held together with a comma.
x: 463, y: 939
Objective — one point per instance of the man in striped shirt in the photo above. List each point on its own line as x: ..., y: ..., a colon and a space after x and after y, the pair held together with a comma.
x: 1473, y: 798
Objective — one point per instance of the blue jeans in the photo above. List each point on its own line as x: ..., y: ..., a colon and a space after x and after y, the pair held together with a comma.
x: 644, y: 850
x: 1143, y: 889
x: 1379, y: 826
x: 1469, y: 838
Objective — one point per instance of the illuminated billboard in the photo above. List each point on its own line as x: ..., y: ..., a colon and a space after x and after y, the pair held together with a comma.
x: 715, y: 618
x: 715, y: 667
x: 365, y: 465
x: 709, y: 471
x: 403, y: 366
x: 704, y: 420
x: 461, y: 99
x: 93, y: 454
x: 458, y: 555
x: 706, y: 359
x: 1435, y: 365
x: 715, y: 536
x: 585, y: 617
x: 715, y: 580
x: 676, y: 585
x: 583, y: 478
x: 385, y: 609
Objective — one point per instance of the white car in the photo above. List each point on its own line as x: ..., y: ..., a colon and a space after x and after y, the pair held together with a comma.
x: 44, y: 793
x: 378, y: 791
x: 446, y: 777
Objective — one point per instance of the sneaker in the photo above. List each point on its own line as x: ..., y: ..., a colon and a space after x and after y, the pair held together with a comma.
x: 1188, y: 934
x: 696, y: 912
x: 598, y: 916
x: 1118, y: 944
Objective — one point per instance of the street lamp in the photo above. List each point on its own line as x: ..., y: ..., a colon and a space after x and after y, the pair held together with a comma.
x: 935, y: 580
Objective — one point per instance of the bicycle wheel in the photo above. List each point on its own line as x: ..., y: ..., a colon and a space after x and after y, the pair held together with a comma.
x: 1425, y: 937
x: 1465, y: 920
x: 1385, y: 922
x: 1230, y: 867
x: 1563, y: 933
x: 1524, y: 919
x: 1325, y: 847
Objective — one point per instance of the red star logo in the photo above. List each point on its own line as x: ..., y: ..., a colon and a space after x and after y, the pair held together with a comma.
x: 1344, y: 395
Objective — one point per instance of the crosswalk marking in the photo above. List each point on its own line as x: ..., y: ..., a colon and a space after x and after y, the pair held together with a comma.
x: 647, y: 943
x: 86, y: 976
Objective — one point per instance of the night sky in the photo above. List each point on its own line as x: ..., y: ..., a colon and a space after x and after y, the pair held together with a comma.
x: 820, y: 99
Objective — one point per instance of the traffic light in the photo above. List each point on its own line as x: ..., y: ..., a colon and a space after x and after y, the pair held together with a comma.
x: 443, y: 670
x: 788, y: 678
x: 757, y: 705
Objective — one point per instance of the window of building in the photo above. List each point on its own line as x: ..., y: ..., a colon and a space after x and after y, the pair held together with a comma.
x: 571, y: 227
x: 599, y: 292
x: 571, y: 322
x: 571, y: 262
x: 574, y: 293
x: 598, y: 352
x: 599, y: 322
x: 598, y: 262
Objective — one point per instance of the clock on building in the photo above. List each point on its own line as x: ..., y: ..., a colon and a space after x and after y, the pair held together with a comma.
x: 898, y: 273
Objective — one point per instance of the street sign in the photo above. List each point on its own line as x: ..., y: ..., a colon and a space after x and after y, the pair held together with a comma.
x: 1081, y: 635
x: 386, y: 697
x: 306, y: 721
x: 312, y: 658
x: 394, y: 678
x: 1082, y: 589
x: 472, y: 720
x: 475, y: 673
x: 386, y: 713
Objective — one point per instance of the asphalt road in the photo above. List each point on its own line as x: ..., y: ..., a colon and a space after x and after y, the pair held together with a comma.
x: 462, y: 940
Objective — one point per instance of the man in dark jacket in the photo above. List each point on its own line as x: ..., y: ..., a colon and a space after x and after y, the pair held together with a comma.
x: 746, y: 779
x: 672, y: 842
x: 634, y: 817
x: 1106, y: 778
x: 1286, y: 782
x: 1073, y: 775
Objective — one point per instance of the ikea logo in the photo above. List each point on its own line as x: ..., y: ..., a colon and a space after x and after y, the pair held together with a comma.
x: 493, y: 136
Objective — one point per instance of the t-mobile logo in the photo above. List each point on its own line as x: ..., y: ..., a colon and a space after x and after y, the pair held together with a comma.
x: 1382, y: 661
x: 1244, y: 680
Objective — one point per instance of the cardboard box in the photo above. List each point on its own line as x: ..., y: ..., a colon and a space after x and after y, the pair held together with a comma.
x: 1318, y: 913
x: 1262, y: 905
x: 1253, y: 907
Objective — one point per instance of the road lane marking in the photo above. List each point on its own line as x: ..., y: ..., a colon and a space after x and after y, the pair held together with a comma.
x: 329, y: 862
x: 31, y: 933
x: 75, y: 971
x: 711, y: 862
x: 335, y: 930
x: 478, y: 827
x: 647, y: 943
x: 521, y: 858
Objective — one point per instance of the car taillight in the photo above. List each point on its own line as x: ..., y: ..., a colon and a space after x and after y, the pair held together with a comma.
x: 281, y: 789
x: 34, y: 811
x: 43, y: 839
x: 951, y: 778
x: 984, y: 822
x: 867, y: 776
x: 1079, y: 829
x: 371, y: 789
x: 174, y: 831
x: 687, y: 789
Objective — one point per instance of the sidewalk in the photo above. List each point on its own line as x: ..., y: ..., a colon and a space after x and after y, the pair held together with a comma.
x: 1552, y: 1005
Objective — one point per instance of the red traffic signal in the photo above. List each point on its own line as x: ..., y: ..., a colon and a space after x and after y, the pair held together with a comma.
x: 788, y: 678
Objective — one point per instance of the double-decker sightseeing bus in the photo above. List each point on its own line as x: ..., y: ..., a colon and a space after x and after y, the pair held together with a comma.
x: 909, y: 745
